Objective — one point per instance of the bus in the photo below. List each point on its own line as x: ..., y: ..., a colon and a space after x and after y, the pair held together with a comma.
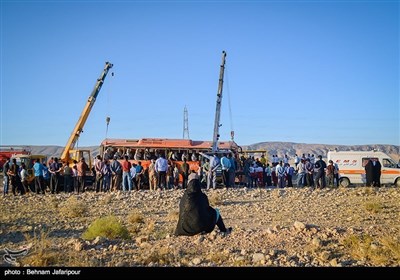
x: 174, y: 150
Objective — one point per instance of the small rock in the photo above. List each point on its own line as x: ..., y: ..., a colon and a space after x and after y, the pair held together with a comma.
x: 121, y: 264
x: 199, y: 239
x: 98, y: 239
x: 196, y: 261
x: 269, y: 231
x: 78, y: 246
x: 145, y: 244
x: 325, y: 255
x: 277, y: 228
x: 140, y: 239
x: 258, y: 257
x: 333, y: 262
x: 243, y: 252
x: 299, y: 225
x: 316, y: 242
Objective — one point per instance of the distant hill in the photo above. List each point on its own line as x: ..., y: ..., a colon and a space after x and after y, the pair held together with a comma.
x: 282, y: 148
x: 273, y: 148
x: 55, y: 151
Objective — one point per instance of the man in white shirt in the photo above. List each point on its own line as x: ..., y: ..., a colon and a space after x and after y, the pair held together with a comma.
x: 161, y: 169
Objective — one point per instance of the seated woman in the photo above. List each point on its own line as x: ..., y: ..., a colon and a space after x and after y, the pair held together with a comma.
x: 195, y: 213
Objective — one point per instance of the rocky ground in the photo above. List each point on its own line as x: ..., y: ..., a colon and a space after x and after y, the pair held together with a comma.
x: 297, y: 227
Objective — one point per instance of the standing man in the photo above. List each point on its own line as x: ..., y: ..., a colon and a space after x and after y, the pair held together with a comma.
x: 319, y: 168
x: 13, y: 174
x: 296, y: 160
x: 67, y: 173
x: 152, y: 175
x: 376, y: 172
x: 185, y: 172
x: 116, y: 171
x: 82, y: 168
x: 161, y: 167
x: 226, y: 165
x: 232, y: 170
x: 98, y: 167
x: 55, y: 170
x: 280, y: 171
x: 212, y: 175
x: 336, y: 174
x: 39, y: 179
x: 126, y: 175
x: 206, y: 171
x: 139, y: 174
x: 6, y: 168
x: 369, y: 173
x: 309, y: 173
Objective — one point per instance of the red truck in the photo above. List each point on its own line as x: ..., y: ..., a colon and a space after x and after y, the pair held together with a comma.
x: 9, y: 151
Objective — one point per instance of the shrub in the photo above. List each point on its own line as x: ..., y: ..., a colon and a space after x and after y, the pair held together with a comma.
x: 135, y: 218
x: 108, y: 227
x: 73, y: 208
x: 41, y: 252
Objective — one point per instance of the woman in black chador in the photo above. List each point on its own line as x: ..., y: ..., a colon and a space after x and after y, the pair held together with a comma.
x: 195, y: 213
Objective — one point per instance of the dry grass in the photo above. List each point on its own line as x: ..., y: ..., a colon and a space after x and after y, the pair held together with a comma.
x: 73, y: 208
x: 159, y: 256
x: 135, y: 218
x: 383, y: 252
x: 41, y: 252
x: 54, y: 202
x: 108, y: 227
x: 374, y: 207
x: 173, y: 216
x: 107, y: 199
x: 218, y: 257
x: 215, y: 199
x: 136, y: 222
x: 368, y: 191
x: 150, y: 227
x: 392, y: 245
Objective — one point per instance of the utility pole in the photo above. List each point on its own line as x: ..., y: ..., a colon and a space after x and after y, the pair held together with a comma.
x: 185, y: 124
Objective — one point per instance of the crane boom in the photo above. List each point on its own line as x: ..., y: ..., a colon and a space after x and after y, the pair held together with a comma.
x: 85, y: 113
x: 218, y: 107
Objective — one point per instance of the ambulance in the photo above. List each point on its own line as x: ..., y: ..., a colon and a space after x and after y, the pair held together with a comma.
x: 352, y: 167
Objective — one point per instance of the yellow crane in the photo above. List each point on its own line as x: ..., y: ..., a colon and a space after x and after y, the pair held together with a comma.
x: 70, y: 154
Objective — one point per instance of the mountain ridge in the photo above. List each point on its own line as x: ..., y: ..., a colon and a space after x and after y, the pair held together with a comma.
x: 273, y: 148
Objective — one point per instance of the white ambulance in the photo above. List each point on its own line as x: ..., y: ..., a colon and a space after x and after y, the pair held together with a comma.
x: 352, y: 167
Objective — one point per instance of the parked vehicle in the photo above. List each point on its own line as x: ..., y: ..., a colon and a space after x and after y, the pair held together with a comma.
x: 352, y: 166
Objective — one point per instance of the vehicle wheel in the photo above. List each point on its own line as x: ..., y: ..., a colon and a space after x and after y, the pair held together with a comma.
x: 397, y: 183
x: 344, y: 182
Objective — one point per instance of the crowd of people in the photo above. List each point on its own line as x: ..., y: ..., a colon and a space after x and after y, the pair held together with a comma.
x: 214, y: 170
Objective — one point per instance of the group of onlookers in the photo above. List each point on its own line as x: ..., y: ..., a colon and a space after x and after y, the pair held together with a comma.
x: 51, y: 176
x: 116, y: 175
x: 280, y: 173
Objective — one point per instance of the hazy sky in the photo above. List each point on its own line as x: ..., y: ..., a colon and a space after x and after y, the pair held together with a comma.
x: 296, y: 71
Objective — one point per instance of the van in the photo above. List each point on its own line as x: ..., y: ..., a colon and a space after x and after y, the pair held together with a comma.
x: 352, y: 167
